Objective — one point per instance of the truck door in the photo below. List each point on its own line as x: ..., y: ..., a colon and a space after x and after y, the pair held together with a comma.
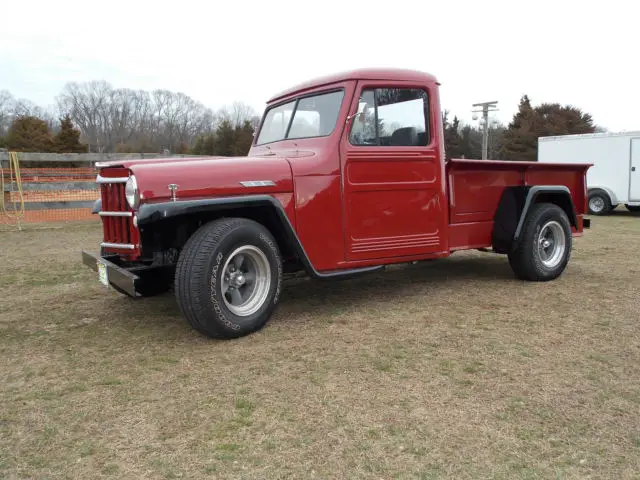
x: 392, y: 179
x: 634, y: 175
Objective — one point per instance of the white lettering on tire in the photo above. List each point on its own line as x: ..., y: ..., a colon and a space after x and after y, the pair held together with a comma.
x: 214, y: 295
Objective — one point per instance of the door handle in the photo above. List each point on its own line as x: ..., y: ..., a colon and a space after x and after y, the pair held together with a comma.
x: 633, y: 169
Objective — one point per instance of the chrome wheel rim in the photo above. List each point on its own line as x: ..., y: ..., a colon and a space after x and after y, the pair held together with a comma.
x: 246, y: 278
x: 596, y: 204
x: 551, y: 244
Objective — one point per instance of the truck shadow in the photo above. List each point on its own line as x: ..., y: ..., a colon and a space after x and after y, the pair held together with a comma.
x: 619, y: 213
x: 304, y: 295
x: 435, y: 275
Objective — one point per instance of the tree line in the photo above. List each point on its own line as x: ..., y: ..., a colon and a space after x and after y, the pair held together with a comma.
x: 120, y: 120
x: 519, y: 139
x: 95, y: 117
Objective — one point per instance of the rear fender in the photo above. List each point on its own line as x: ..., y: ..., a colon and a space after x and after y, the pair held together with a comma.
x: 514, y: 206
x: 153, y: 213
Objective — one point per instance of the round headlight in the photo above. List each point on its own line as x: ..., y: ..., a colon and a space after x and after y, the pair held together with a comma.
x: 131, y: 192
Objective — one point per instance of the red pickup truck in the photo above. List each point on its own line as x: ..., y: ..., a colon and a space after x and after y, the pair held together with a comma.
x: 346, y: 174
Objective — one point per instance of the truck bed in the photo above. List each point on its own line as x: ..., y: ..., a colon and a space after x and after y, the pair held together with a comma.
x: 474, y: 189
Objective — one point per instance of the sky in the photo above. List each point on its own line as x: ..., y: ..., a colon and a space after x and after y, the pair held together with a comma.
x: 579, y: 53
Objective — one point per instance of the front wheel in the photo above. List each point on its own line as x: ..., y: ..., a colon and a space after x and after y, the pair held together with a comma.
x: 228, y: 278
x: 544, y: 246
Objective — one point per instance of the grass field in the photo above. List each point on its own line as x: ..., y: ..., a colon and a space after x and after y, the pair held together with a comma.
x: 449, y: 369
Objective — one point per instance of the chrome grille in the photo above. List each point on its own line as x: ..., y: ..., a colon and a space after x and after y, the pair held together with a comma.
x: 117, y: 218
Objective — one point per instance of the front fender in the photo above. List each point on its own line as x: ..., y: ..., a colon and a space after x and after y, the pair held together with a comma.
x: 150, y: 213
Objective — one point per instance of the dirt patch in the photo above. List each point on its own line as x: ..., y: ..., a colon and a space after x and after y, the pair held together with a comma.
x: 450, y: 369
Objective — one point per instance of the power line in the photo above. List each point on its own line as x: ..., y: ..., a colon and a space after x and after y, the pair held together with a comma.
x: 486, y: 107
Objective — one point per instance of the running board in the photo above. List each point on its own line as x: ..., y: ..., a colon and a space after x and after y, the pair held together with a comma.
x: 344, y: 274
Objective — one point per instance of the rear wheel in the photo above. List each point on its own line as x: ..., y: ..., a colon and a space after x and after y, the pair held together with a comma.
x: 599, y: 203
x: 228, y: 278
x: 633, y: 208
x: 544, y: 246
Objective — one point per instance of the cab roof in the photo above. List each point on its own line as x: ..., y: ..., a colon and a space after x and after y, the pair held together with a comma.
x: 358, y: 74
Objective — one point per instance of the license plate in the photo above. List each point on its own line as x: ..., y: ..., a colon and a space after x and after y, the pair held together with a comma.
x: 102, y: 274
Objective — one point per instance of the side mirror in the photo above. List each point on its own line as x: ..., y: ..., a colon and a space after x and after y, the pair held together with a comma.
x: 350, y: 117
x: 349, y: 122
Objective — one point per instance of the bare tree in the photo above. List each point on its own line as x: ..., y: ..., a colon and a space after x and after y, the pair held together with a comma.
x: 6, y: 111
x: 236, y: 114
x: 131, y: 120
x: 86, y: 104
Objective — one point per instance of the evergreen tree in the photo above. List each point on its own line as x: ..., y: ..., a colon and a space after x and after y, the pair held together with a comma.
x: 244, y: 137
x: 224, y: 139
x: 471, y: 142
x: 204, y: 145
x: 68, y: 138
x: 520, y: 140
x: 30, y: 134
x: 452, y: 137
x: 198, y: 146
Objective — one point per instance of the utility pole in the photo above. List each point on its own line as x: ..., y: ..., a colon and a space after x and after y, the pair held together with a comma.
x: 486, y: 108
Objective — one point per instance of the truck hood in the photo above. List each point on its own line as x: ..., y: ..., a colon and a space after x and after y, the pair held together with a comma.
x: 209, y: 176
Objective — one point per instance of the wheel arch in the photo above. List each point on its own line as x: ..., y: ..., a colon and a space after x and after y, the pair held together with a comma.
x: 514, y: 206
x: 601, y: 188
x: 164, y: 217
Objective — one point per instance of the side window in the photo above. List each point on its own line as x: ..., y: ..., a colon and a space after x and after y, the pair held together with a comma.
x: 397, y: 118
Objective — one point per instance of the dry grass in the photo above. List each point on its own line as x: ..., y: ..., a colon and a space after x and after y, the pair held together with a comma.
x: 450, y: 369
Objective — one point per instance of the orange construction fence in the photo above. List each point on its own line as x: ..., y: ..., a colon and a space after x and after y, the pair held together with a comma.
x: 47, y: 195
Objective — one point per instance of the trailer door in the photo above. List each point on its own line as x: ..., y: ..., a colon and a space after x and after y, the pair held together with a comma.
x: 634, y: 175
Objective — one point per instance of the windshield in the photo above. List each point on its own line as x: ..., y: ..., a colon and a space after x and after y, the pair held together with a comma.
x: 315, y: 116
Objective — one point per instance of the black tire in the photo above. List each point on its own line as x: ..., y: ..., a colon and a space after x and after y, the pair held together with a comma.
x: 599, y: 197
x: 526, y: 258
x: 633, y: 208
x: 199, y: 277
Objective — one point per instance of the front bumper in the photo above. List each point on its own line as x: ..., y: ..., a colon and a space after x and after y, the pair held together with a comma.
x: 111, y: 274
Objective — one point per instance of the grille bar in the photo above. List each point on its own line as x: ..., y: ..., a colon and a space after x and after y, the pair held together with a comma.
x: 127, y: 246
x: 115, y: 214
x: 101, y: 179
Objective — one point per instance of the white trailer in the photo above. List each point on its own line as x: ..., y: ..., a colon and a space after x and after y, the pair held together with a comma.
x: 614, y: 178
